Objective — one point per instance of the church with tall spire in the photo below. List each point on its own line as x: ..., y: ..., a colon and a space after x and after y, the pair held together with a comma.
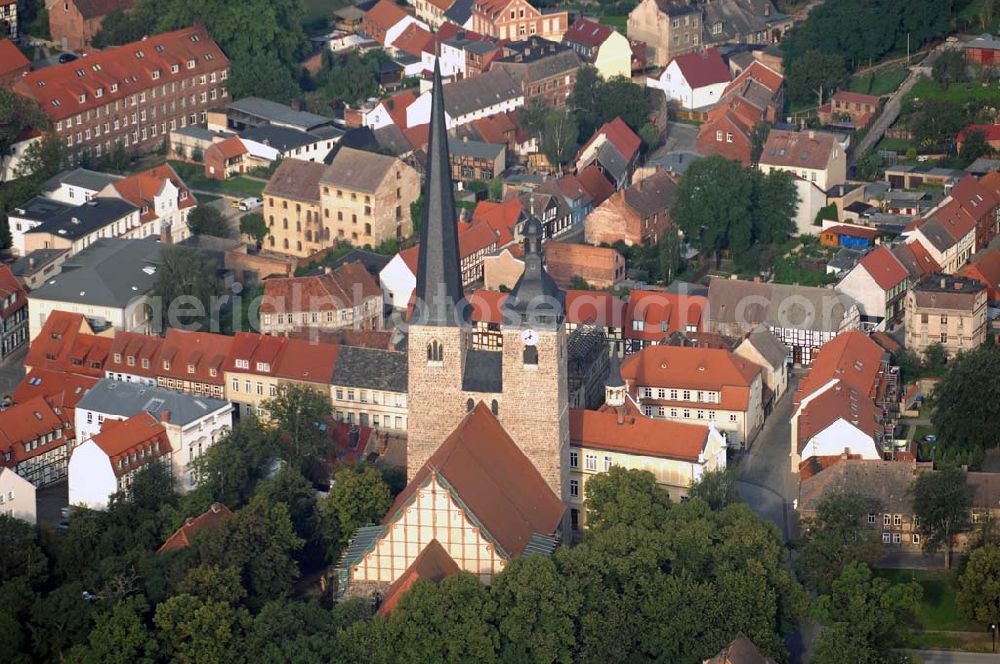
x: 524, y: 384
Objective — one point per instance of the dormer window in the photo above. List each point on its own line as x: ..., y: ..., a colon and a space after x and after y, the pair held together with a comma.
x: 83, y: 98
x: 140, y: 55
x: 56, y: 102
x: 114, y: 87
x: 80, y: 73
x: 118, y: 358
x: 99, y: 92
x: 174, y: 69
x: 131, y: 360
x: 156, y: 74
x: 190, y: 64
x: 209, y: 57
x: 263, y: 366
x: 242, y: 364
x: 196, y: 38
x: 213, y: 372
x: 145, y: 363
x: 166, y: 365
x: 159, y: 48
x: 190, y: 368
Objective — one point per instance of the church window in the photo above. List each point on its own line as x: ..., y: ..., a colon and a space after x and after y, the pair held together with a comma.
x: 530, y: 355
x: 435, y: 352
x: 495, y: 407
x: 469, y: 405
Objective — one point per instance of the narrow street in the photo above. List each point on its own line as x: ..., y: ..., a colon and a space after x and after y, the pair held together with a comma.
x: 765, y: 481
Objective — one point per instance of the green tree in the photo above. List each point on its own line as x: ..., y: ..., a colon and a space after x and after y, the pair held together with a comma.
x: 16, y: 600
x: 349, y: 78
x: 559, y: 137
x: 229, y: 470
x: 869, y: 608
x: 966, y: 400
x: 974, y: 146
x: 815, y: 74
x: 950, y: 67
x: 194, y: 630
x: 717, y: 488
x: 258, y: 542
x: 296, y: 413
x: 619, y: 97
x: 495, y: 189
x: 290, y: 487
x: 252, y: 225
x: 184, y: 290
x: 59, y: 620
x: 358, y: 497
x: 119, y: 636
x: 20, y: 551
x: 43, y: 158
x: 758, y: 137
x: 120, y: 27
x: 650, y: 136
x: 979, y: 587
x: 625, y: 497
x: 450, y: 621
x: 207, y: 220
x: 935, y: 357
x: 941, y: 500
x: 532, y: 115
x: 712, y: 206
x: 834, y: 539
x: 536, y: 612
x: 774, y: 201
x: 18, y: 113
x: 210, y: 582
x: 259, y: 75
x: 585, y: 100
x: 935, y: 122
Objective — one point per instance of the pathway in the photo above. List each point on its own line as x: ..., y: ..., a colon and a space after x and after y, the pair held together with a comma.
x: 951, y: 657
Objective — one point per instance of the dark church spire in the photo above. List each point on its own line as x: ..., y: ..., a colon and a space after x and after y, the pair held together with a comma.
x: 439, y: 294
x: 535, y: 298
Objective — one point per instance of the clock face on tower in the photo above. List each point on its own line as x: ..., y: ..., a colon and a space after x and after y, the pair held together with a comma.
x: 529, y: 337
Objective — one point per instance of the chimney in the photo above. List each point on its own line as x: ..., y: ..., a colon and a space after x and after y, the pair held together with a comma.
x: 31, y: 263
x: 944, y: 283
x: 327, y: 270
x: 216, y: 508
x: 188, y: 521
x: 812, y: 133
x: 165, y: 417
x: 621, y: 194
x: 620, y: 411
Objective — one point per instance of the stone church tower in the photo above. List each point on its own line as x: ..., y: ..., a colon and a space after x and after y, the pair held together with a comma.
x: 525, y: 384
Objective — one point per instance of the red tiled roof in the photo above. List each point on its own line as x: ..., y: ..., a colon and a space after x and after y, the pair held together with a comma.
x: 583, y: 307
x: 24, y: 422
x: 11, y: 287
x: 61, y: 389
x: 471, y: 238
x: 884, y: 268
x: 307, y: 361
x: 433, y: 564
x: 986, y: 269
x: 620, y: 136
x: 66, y: 343
x: 194, y: 356
x: 634, y: 433
x: 493, y: 479
x: 140, y: 435
x: 851, y: 357
x: 119, y: 71
x: 385, y: 14
x: 182, y: 538
x: 494, y: 128
x: 587, y: 32
x: 347, y: 286
x: 799, y: 149
x: 663, y: 313
x: 991, y: 132
x: 254, y: 349
x: 702, y: 68
x: 229, y: 148
x: 130, y: 349
x: 695, y: 369
x: 840, y: 402
x: 11, y: 58
x: 595, y: 184
x: 501, y: 217
x: 761, y: 73
x: 415, y: 40
x: 141, y: 188
x: 396, y: 106
x: 855, y: 97
x: 96, y: 8
x: 917, y: 260
x: 853, y: 230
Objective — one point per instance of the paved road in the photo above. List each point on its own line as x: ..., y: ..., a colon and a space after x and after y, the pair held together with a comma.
x: 12, y: 371
x: 948, y: 657
x: 766, y: 482
x: 679, y: 150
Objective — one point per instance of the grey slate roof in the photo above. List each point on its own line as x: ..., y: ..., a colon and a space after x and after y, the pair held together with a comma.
x: 278, y: 113
x: 883, y: 485
x: 110, y: 272
x: 483, y: 371
x: 479, y: 92
x: 937, y: 234
x: 279, y: 138
x: 747, y: 303
x: 37, y: 260
x: 115, y: 397
x: 83, y: 219
x: 370, y: 368
x: 474, y: 149
x: 40, y: 209
x: 357, y: 170
x: 651, y: 195
x: 459, y: 12
x: 768, y: 346
x: 540, y: 66
x: 83, y: 178
x: 612, y: 160
x: 194, y: 131
x: 845, y: 259
x: 392, y: 138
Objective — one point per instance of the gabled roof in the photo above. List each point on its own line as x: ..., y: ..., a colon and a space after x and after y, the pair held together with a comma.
x: 213, y: 517
x: 480, y: 92
x: 296, y: 179
x: 346, y: 286
x: 652, y: 195
x: 11, y: 58
x: 985, y: 268
x: 432, y: 564
x: 619, y: 135
x: 385, y: 14
x: 61, y: 389
x: 855, y: 98
x: 357, y: 170
x: 122, y: 399
x: 229, y: 148
x: 10, y: 287
x: 852, y: 358
x: 66, y: 342
x: 497, y: 484
x: 733, y: 301
x: 130, y: 349
x: 582, y: 307
x: 662, y: 313
x: 799, y: 149
x: 595, y: 184
x: 883, y: 484
x: 471, y: 238
x: 25, y: 422
x: 990, y: 132
x: 915, y: 258
x: 702, y: 68
x: 587, y: 32
x: 194, y: 356
x: 887, y: 271
x: 97, y: 8
x: 762, y: 74
x: 853, y: 230
x: 141, y: 189
x: 634, y: 433
x: 415, y: 40
x: 139, y: 435
x: 370, y: 368
x: 768, y: 345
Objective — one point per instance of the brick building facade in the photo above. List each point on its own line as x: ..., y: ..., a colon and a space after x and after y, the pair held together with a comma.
x: 133, y: 94
x: 74, y: 23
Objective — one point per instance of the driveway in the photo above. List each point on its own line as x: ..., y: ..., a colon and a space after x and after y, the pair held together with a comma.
x: 679, y: 150
x: 765, y: 481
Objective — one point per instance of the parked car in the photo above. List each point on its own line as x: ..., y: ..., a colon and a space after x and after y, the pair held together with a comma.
x: 66, y: 57
x: 930, y: 438
x: 250, y: 204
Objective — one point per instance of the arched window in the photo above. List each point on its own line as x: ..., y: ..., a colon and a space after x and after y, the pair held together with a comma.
x: 298, y: 226
x: 271, y: 239
x: 435, y: 351
x: 469, y: 405
x: 286, y: 243
x: 495, y: 407
x: 530, y: 355
x: 309, y: 235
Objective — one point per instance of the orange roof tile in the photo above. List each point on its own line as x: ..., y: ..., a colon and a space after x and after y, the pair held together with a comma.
x: 884, y: 268
x: 25, y: 422
x: 134, y: 353
x: 986, y: 269
x: 471, y: 238
x: 140, y: 437
x: 662, y: 313
x: 229, y: 148
x: 493, y: 479
x: 11, y: 58
x: 682, y: 367
x: 120, y: 71
x: 502, y: 217
x: 347, y: 286
x: 12, y: 288
x: 67, y: 343
x: 385, y: 14
x: 415, y: 40
x: 595, y: 184
x: 634, y: 433
x: 141, y: 188
x: 307, y: 361
x: 194, y: 356
x: 61, y: 389
x: 620, y: 135
x: 433, y: 564
x: 213, y: 517
x: 851, y: 357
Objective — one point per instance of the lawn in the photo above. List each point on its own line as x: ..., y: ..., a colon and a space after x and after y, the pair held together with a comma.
x: 239, y: 186
x: 895, y: 144
x: 938, y: 610
x: 319, y: 13
x: 618, y: 22
x: 957, y: 92
x: 879, y: 83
